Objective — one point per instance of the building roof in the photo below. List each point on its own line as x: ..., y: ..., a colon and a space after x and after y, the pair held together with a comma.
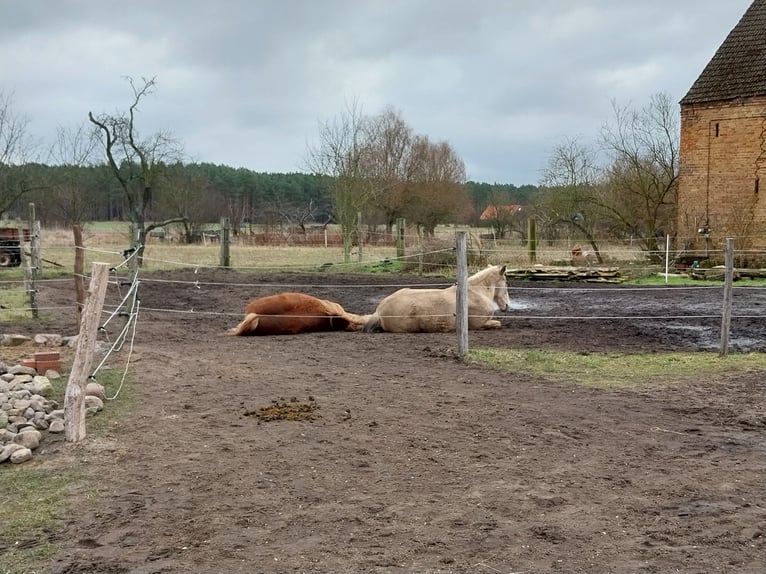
x: 738, y: 68
x: 497, y: 211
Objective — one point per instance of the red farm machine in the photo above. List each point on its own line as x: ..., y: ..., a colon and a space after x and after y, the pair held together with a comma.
x: 11, y: 240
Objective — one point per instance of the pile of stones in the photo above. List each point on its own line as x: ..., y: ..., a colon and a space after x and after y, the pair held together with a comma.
x: 27, y: 410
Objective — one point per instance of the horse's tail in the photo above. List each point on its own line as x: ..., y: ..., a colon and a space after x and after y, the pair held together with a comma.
x: 355, y: 322
x: 247, y: 326
x: 373, y: 324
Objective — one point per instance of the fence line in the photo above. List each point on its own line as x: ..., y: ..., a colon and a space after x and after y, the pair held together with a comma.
x: 199, y: 284
x: 506, y: 316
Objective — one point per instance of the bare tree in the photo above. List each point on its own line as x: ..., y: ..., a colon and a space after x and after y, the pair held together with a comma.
x: 389, y: 164
x: 339, y: 154
x: 377, y: 164
x: 187, y: 200
x: 137, y: 163
x: 74, y: 150
x: 569, y: 192
x: 641, y: 194
x: 16, y: 151
x: 436, y: 190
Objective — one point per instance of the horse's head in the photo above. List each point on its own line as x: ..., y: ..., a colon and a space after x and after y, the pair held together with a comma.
x: 493, y: 282
x: 501, y: 298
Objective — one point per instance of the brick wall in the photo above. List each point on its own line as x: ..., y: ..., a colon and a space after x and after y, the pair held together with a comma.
x: 723, y: 152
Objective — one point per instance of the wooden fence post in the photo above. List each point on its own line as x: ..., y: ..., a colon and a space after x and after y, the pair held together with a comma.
x: 35, y: 240
x: 225, y: 259
x: 79, y: 270
x: 359, y: 238
x: 461, y: 302
x: 727, y: 293
x: 532, y: 240
x: 74, y: 398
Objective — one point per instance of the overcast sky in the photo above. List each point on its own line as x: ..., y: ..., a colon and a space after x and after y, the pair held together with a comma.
x: 246, y: 83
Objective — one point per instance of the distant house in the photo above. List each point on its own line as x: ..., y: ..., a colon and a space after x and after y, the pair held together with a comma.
x: 500, y: 217
x: 722, y: 183
x: 494, y: 212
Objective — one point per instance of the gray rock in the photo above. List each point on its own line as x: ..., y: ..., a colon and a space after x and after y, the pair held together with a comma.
x: 29, y: 438
x: 20, y: 370
x: 56, y: 426
x: 21, y: 455
x: 6, y: 436
x: 21, y: 404
x: 8, y: 450
x: 52, y: 374
x: 41, y: 424
x: 37, y: 403
x: 95, y: 390
x: 3, y: 419
x: 48, y: 340
x: 42, y: 386
x: 57, y: 414
x: 13, y: 340
x: 93, y: 402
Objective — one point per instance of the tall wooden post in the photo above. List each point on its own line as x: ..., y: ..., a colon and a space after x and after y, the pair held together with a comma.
x: 135, y: 255
x: 532, y: 243
x: 420, y: 250
x: 79, y: 270
x: 74, y: 397
x: 359, y: 235
x: 461, y: 301
x: 400, y: 238
x: 225, y: 229
x: 727, y: 293
x: 35, y: 239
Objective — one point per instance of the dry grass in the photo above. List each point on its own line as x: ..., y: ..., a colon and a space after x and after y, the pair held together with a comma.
x: 616, y: 369
x: 107, y: 243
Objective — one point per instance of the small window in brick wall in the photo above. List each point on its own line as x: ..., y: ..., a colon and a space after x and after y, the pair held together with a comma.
x: 716, y: 129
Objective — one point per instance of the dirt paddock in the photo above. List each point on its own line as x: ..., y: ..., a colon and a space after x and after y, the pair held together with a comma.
x: 413, y: 461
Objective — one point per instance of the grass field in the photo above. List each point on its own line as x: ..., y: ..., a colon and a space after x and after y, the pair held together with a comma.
x: 605, y: 370
x: 106, y: 242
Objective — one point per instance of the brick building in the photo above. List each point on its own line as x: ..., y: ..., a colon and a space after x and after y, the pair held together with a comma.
x: 722, y: 183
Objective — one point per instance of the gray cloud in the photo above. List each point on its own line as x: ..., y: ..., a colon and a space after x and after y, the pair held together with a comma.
x: 245, y: 83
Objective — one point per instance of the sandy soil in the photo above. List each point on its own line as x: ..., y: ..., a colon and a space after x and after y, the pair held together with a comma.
x: 416, y: 462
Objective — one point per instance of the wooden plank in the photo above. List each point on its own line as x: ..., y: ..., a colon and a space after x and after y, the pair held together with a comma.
x: 541, y: 273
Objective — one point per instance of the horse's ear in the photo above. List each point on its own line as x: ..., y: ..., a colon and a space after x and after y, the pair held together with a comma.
x: 502, y: 270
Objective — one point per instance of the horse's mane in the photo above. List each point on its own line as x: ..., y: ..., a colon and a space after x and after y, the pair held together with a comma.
x: 484, y: 274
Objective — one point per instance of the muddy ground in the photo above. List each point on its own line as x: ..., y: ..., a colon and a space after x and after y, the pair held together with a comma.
x: 414, y: 461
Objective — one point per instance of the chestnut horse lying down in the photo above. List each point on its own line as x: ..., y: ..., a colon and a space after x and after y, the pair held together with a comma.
x: 292, y: 313
x: 433, y: 310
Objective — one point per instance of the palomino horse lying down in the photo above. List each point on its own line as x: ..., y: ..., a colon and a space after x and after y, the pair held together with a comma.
x: 433, y: 310
x: 292, y: 313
